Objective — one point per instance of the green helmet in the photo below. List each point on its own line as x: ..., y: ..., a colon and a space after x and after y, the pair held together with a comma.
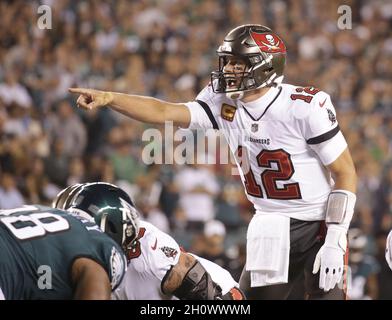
x: 111, y: 207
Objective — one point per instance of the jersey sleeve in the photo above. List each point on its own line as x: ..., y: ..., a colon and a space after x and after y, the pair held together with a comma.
x: 165, y: 255
x: 159, y: 252
x: 202, y: 110
x: 321, y: 129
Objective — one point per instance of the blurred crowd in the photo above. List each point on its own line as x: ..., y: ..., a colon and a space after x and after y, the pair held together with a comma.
x: 166, y: 49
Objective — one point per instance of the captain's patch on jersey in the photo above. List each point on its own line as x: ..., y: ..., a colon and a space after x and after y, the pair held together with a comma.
x: 117, y: 267
x: 169, y: 252
x: 228, y: 112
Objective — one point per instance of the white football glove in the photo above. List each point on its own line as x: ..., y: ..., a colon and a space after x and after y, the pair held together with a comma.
x: 331, y: 258
x: 388, y: 250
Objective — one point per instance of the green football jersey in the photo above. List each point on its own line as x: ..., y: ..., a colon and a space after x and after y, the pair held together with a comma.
x: 38, y: 246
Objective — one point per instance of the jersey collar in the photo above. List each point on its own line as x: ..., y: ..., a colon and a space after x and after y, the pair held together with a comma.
x: 257, y: 108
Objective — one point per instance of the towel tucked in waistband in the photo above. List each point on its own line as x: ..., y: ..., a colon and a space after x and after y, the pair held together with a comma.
x: 268, y: 249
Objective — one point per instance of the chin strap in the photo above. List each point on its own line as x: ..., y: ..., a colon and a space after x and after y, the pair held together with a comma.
x: 238, y: 95
x: 235, y: 95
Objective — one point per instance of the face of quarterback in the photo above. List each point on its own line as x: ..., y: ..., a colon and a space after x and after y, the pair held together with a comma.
x: 235, y: 67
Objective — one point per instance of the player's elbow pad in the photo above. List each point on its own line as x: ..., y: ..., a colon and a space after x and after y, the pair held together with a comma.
x: 198, y: 285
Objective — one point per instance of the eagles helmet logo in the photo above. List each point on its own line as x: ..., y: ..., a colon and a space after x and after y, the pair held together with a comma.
x: 118, y: 267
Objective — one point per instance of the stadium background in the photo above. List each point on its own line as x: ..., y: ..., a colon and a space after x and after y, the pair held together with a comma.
x: 167, y: 49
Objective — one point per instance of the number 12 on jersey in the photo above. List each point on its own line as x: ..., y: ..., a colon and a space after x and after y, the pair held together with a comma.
x: 269, y: 176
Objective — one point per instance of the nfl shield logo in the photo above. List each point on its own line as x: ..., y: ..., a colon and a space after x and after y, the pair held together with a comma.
x: 255, y: 127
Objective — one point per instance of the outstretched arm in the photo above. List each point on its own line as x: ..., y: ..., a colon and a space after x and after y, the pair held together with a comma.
x: 90, y: 280
x: 145, y: 109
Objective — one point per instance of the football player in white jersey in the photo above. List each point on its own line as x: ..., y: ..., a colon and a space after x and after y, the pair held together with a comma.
x: 157, y: 268
x: 155, y: 264
x: 288, y: 146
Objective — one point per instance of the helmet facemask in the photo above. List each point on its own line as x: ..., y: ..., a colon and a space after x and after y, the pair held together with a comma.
x: 232, y: 83
x: 122, y: 228
x: 249, y: 79
x: 130, y: 225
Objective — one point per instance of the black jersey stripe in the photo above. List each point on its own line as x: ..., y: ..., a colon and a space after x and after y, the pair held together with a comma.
x: 324, y: 137
x: 209, y: 113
